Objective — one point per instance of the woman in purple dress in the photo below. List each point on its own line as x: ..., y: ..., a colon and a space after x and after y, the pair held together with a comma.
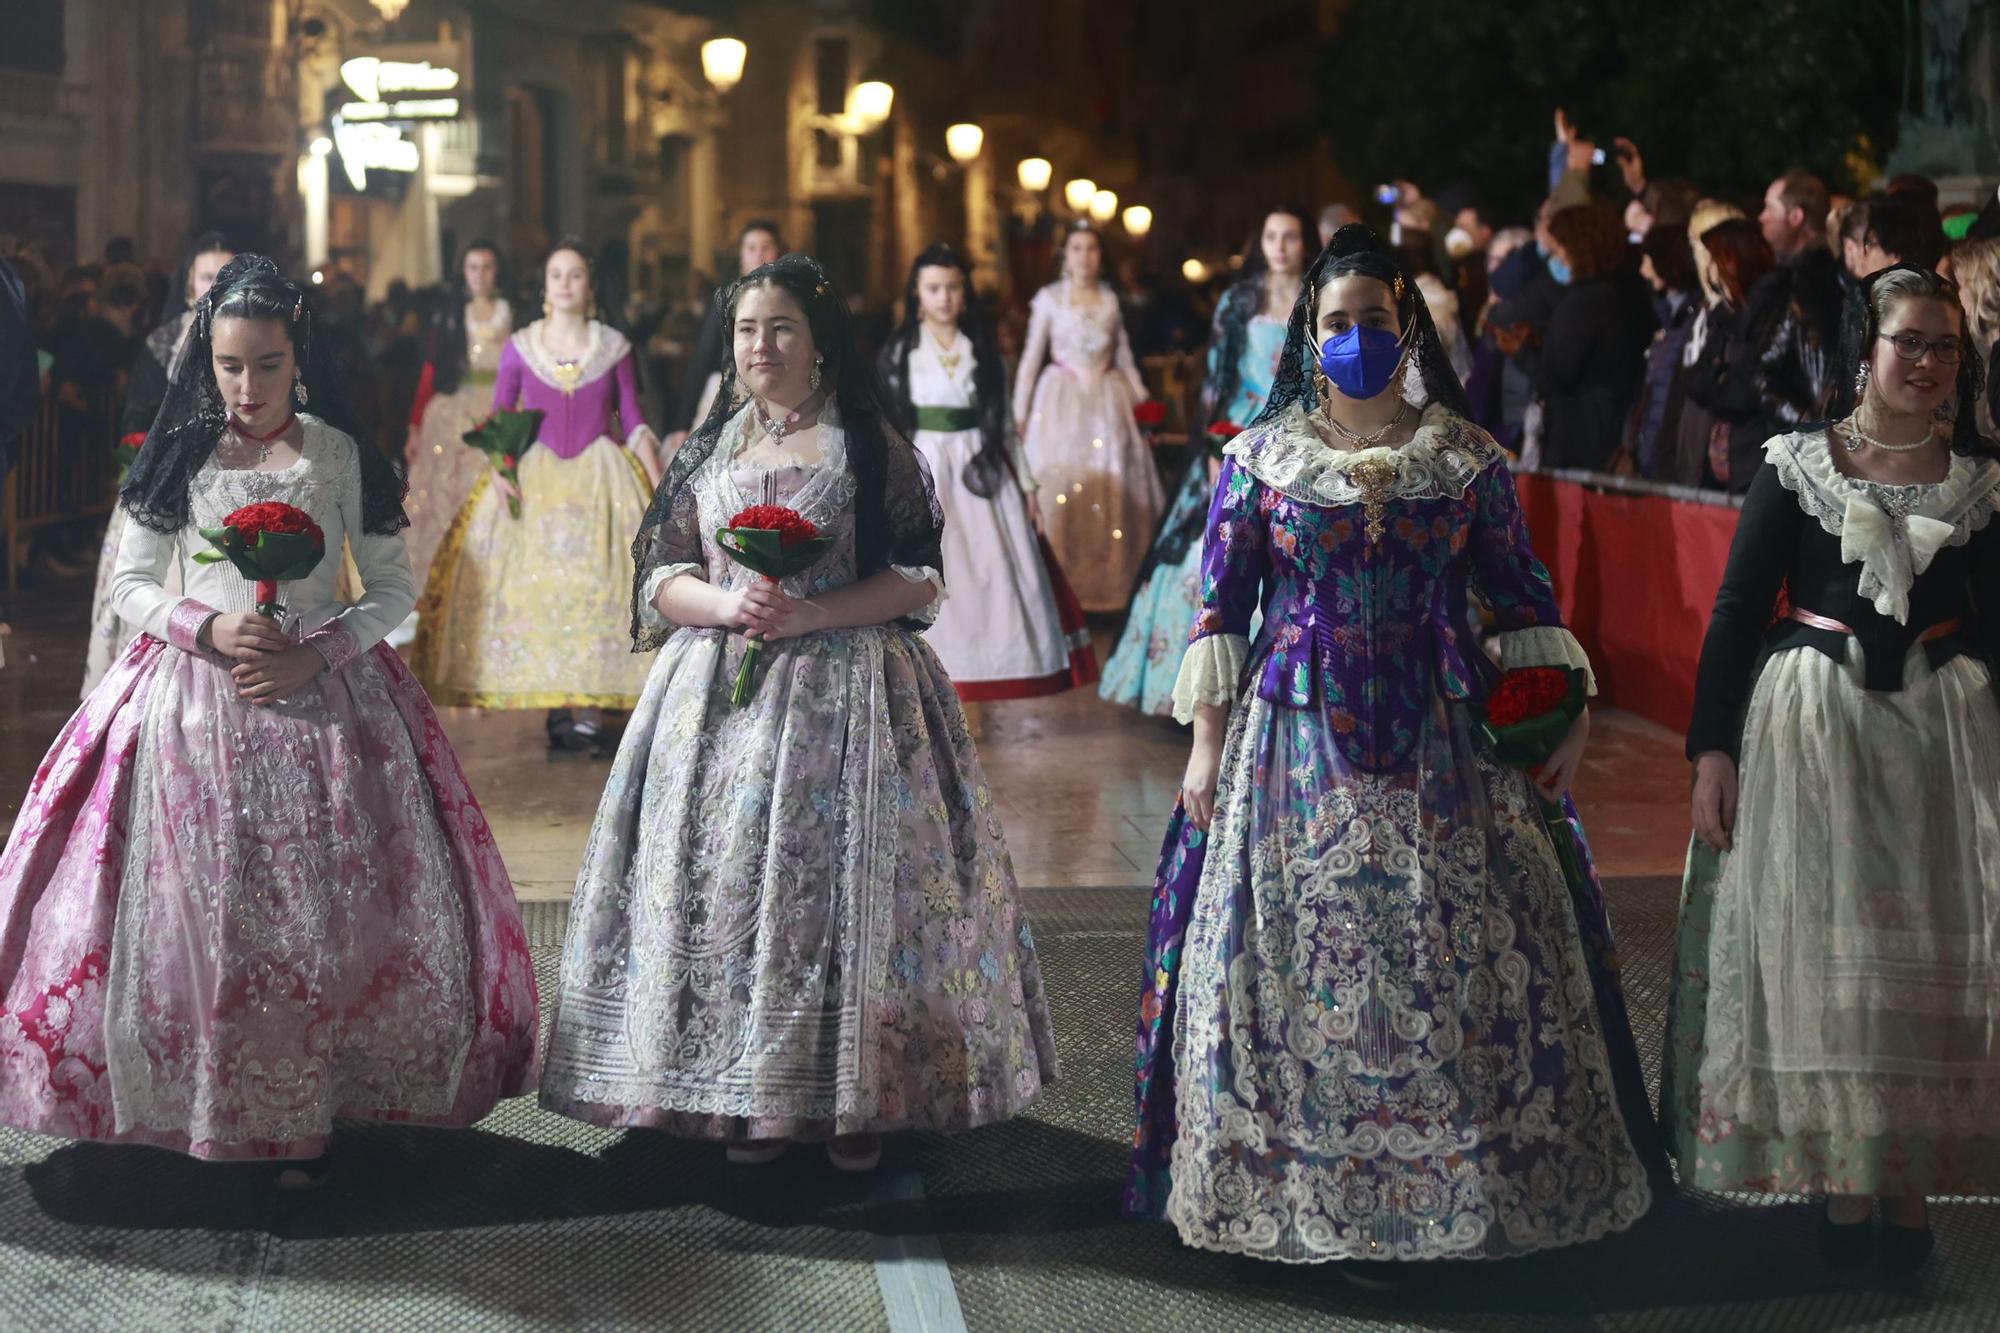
x: 529, y: 612
x: 1378, y: 1023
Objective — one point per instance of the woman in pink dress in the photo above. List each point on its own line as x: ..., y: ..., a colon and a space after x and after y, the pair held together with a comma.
x: 249, y: 889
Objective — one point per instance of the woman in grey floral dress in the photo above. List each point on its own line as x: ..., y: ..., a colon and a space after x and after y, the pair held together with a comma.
x: 796, y: 919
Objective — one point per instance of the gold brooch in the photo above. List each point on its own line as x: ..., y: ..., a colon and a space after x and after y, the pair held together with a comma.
x: 1377, y: 480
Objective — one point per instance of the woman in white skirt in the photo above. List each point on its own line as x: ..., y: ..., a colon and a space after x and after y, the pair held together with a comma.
x: 1074, y: 396
x: 1012, y: 628
x: 1835, y: 1023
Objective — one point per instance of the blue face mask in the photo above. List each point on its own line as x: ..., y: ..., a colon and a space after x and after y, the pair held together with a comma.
x: 1559, y: 270
x: 1361, y: 361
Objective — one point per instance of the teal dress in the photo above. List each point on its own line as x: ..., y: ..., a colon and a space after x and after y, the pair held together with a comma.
x: 1148, y: 657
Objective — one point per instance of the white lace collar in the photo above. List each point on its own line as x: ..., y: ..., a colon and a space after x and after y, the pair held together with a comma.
x: 606, y: 348
x: 1440, y: 460
x: 1892, y: 532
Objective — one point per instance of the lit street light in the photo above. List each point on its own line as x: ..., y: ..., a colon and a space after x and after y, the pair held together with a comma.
x: 1138, y: 220
x: 963, y: 142
x: 1103, y: 206
x: 1034, y: 173
x: 1078, y: 194
x: 722, y: 62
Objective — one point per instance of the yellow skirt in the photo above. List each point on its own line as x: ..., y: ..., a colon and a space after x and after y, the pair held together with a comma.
x: 535, y: 612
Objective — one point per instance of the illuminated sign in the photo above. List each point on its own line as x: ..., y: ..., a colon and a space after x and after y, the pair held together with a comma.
x: 398, y: 90
x: 377, y: 80
x: 366, y: 147
x: 429, y: 108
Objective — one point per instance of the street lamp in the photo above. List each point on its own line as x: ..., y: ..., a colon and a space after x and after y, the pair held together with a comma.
x: 1138, y: 220
x: 390, y: 10
x: 1034, y: 173
x: 1078, y: 194
x: 1195, y: 271
x: 963, y: 142
x: 1103, y: 206
x: 868, y: 104
x: 722, y: 62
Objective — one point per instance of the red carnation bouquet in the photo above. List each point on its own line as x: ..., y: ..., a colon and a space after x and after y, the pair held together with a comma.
x: 1151, y: 415
x: 127, y: 453
x: 777, y: 543
x: 1220, y: 433
x: 1528, y: 714
x: 270, y: 543
x: 503, y: 436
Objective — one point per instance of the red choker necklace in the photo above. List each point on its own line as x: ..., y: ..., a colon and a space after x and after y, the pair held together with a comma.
x: 237, y: 426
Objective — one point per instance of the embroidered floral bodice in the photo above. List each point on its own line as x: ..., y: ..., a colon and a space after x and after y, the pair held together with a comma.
x: 1361, y: 563
x: 743, y: 472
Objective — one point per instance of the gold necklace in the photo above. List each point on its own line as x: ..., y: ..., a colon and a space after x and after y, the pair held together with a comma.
x: 949, y: 360
x: 1372, y: 439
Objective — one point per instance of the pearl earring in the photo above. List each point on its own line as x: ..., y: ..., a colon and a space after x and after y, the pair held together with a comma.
x: 813, y: 381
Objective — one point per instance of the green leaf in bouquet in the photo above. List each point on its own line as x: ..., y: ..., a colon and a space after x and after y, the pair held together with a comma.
x: 764, y: 552
x: 508, y: 432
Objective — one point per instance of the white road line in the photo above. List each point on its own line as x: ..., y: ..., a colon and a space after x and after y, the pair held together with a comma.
x: 916, y: 1284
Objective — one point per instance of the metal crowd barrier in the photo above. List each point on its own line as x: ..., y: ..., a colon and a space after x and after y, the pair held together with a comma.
x: 1604, y: 481
x: 67, y: 471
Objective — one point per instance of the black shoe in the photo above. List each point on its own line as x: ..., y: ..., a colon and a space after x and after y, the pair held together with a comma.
x: 1904, y: 1249
x: 565, y: 733
x: 1845, y: 1244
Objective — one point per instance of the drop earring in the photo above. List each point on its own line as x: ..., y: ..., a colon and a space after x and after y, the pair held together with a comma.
x: 813, y: 380
x: 1860, y: 382
x: 547, y: 309
x: 298, y: 386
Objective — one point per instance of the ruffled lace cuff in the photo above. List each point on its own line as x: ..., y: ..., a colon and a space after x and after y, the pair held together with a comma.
x: 1545, y: 645
x: 1210, y: 669
x: 336, y: 643
x: 185, y: 623
x: 927, y: 613
x: 649, y: 615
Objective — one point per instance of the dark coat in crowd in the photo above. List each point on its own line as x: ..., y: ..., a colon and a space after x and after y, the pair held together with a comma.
x: 1768, y: 368
x: 20, y: 375
x: 1593, y: 355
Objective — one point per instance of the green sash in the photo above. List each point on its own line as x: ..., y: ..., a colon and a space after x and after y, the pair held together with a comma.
x: 947, y: 419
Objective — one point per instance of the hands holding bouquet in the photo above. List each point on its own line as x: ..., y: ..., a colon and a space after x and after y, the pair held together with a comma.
x: 503, y: 437
x: 776, y: 543
x: 268, y: 543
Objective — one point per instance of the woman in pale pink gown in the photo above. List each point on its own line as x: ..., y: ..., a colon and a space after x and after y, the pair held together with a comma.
x: 249, y: 889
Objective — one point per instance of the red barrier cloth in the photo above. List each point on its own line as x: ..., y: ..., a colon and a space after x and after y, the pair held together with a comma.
x: 1636, y: 577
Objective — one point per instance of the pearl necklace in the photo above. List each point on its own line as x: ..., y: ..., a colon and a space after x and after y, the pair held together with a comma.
x: 1856, y: 437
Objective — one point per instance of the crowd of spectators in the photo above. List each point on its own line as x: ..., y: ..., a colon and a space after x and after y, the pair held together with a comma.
x: 1643, y: 328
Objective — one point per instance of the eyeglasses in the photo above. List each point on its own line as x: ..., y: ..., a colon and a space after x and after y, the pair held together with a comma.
x: 1912, y: 346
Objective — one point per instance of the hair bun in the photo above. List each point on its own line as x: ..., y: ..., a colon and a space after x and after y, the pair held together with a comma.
x: 1358, y: 238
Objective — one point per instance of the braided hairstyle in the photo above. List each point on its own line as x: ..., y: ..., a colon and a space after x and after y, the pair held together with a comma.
x: 193, y: 418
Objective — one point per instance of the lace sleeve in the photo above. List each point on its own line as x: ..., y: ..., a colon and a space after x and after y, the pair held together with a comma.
x: 913, y: 523
x: 664, y: 553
